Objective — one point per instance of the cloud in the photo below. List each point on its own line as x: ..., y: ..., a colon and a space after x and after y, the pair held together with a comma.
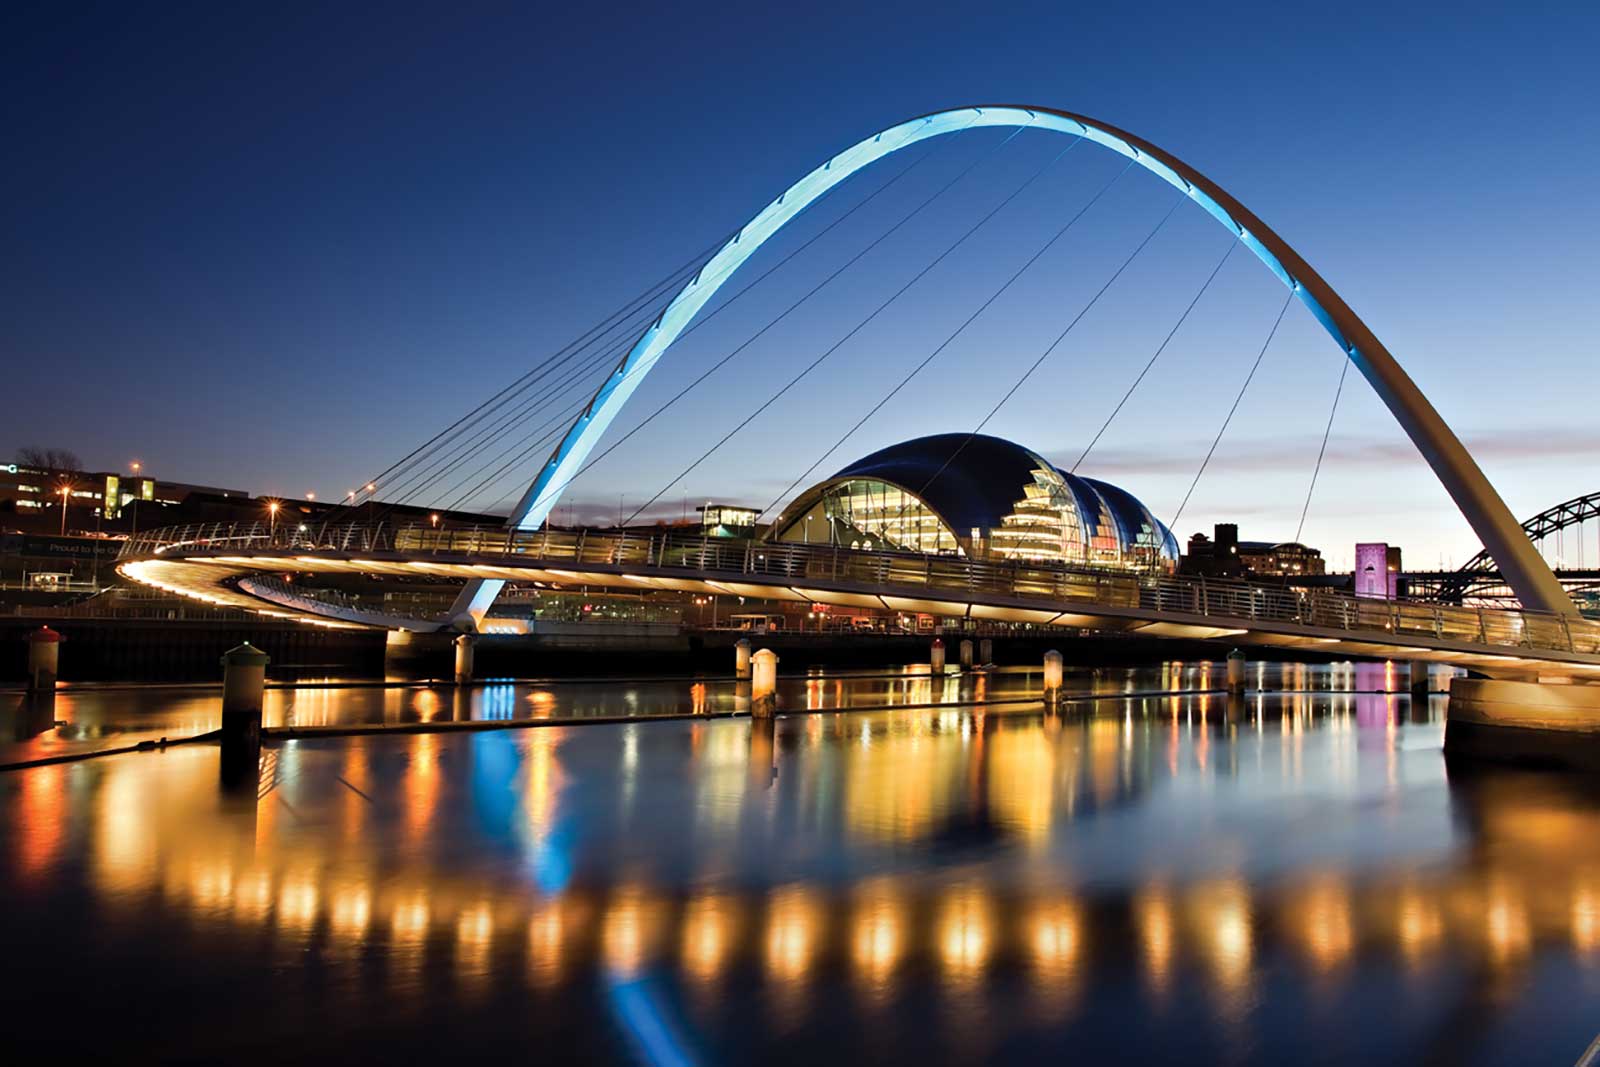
x: 1299, y: 453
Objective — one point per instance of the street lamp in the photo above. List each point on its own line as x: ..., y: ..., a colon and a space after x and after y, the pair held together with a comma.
x: 135, y: 467
x: 65, y: 491
x: 272, y: 511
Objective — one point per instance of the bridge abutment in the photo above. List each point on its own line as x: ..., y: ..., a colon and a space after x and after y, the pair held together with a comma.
x: 1550, y: 722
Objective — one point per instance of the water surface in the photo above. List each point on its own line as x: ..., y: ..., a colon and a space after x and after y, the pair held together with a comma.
x: 1293, y: 878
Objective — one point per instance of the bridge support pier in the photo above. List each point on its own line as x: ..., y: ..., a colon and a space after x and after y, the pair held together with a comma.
x: 1551, y: 723
x: 464, y: 659
x: 1421, y: 687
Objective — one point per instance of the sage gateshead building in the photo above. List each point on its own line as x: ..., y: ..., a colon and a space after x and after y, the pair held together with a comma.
x: 980, y: 497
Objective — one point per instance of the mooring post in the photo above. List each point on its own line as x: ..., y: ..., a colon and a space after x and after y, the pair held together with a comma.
x: 741, y: 658
x: 464, y: 659
x: 936, y: 656
x: 764, y: 683
x: 1052, y: 678
x: 1236, y: 672
x: 966, y: 654
x: 44, y: 658
x: 986, y: 652
x: 244, y: 685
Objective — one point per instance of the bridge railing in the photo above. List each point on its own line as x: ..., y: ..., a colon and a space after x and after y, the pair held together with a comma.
x: 913, y: 575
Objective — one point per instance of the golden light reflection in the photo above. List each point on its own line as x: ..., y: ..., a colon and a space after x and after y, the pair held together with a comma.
x: 474, y: 936
x: 351, y: 910
x: 297, y: 902
x: 1054, y: 933
x: 1506, y: 924
x: 877, y: 934
x: 1585, y: 919
x: 708, y: 932
x: 793, y: 921
x: 421, y: 785
x: 1322, y: 921
x: 629, y: 934
x: 546, y: 939
x: 965, y: 934
x: 1419, y: 925
x: 1153, y: 914
x: 1219, y: 913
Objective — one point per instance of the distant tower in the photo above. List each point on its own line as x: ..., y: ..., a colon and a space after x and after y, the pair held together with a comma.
x: 1377, y: 570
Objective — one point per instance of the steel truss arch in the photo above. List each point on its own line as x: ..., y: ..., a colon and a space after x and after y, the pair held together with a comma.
x: 1571, y: 513
x: 1503, y: 538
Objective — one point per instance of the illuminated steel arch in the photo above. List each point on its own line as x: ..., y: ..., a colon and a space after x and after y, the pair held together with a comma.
x: 1524, y: 569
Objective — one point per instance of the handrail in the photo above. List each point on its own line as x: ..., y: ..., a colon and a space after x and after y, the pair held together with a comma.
x: 793, y: 563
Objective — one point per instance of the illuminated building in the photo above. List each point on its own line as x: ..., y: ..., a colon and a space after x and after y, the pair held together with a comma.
x: 1227, y: 556
x: 977, y: 496
x: 1377, y: 570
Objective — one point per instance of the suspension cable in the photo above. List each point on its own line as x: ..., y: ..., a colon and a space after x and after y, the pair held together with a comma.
x: 857, y: 328
x: 951, y: 338
x: 722, y: 306
x: 1229, y: 418
x: 1344, y: 369
x: 1232, y: 244
x: 682, y: 275
x: 629, y: 307
x: 1062, y: 336
x: 742, y: 346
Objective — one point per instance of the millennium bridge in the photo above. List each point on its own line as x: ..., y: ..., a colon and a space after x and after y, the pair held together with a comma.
x: 244, y: 566
x: 1544, y: 640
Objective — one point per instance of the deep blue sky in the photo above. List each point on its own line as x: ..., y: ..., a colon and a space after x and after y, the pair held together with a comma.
x: 275, y: 250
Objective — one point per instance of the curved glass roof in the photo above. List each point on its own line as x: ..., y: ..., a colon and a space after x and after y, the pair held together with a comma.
x: 979, y: 486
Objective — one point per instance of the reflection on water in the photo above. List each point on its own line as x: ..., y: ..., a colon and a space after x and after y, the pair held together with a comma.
x: 1293, y: 876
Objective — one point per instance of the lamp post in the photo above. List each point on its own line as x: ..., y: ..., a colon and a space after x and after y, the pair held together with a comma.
x: 135, y: 467
x: 65, y: 491
x: 272, y: 511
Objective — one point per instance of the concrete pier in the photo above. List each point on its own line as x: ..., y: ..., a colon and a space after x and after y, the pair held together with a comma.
x: 1420, y: 683
x: 1534, y: 723
x: 464, y: 650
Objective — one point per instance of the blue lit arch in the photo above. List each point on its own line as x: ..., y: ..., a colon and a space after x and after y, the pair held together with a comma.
x: 1524, y: 569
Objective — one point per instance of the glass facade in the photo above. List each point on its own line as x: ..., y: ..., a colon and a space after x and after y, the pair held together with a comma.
x: 868, y: 514
x: 981, y: 497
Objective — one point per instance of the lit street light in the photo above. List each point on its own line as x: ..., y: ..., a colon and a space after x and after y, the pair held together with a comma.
x: 272, y: 511
x: 65, y: 490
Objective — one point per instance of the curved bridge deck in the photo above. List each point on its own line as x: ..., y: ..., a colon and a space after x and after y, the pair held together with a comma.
x: 242, y: 565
